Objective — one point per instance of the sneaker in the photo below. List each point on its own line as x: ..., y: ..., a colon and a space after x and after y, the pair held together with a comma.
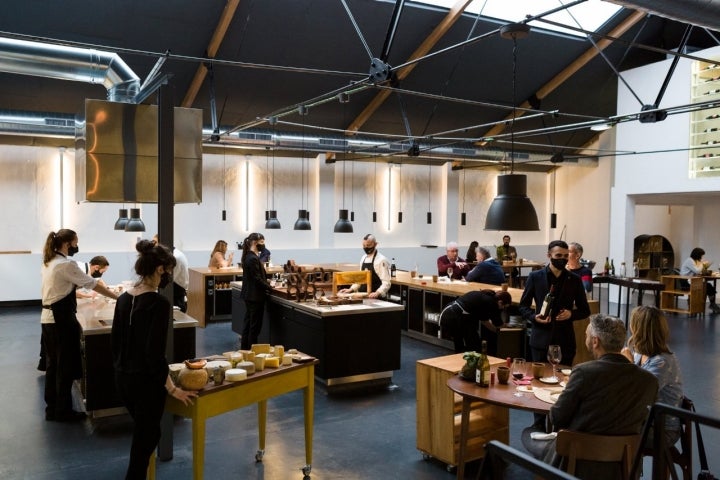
x: 714, y: 308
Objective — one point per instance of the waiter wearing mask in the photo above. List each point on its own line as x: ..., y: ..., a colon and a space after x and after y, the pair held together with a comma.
x: 60, y: 327
x: 379, y: 268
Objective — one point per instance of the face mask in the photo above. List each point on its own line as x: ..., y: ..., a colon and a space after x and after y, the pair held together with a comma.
x: 165, y: 279
x: 369, y: 250
x: 559, y: 263
x: 260, y: 247
x: 96, y: 274
x: 72, y: 250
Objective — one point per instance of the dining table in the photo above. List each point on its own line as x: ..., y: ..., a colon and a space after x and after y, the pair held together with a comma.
x: 537, y: 399
x: 509, y: 265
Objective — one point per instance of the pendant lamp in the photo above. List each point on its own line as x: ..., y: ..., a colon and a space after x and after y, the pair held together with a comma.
x: 122, y: 219
x: 271, y: 220
x: 135, y: 224
x: 343, y: 225
x: 512, y: 209
x: 303, y: 221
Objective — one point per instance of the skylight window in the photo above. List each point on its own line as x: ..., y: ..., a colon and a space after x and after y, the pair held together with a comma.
x: 590, y: 15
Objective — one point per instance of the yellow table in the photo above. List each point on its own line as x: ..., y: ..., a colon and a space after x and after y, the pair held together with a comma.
x: 258, y: 388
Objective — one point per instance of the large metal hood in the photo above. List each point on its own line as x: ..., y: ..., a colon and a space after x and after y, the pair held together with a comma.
x: 117, y: 153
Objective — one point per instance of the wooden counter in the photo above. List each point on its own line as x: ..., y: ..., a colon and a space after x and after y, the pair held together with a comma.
x: 98, y: 383
x: 455, y: 288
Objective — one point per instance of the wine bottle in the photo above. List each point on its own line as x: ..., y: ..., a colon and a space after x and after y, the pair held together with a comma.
x: 636, y: 270
x: 482, y: 374
x: 393, y: 269
x: 612, y: 267
x: 547, y: 304
x: 606, y: 268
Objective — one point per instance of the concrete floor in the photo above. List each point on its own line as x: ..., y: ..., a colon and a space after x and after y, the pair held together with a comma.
x: 357, y: 436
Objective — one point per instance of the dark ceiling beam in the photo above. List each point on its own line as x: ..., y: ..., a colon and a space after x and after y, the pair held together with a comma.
x: 212, y: 49
x: 571, y: 69
x: 438, y: 32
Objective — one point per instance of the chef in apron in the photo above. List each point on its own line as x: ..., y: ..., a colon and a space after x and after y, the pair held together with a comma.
x: 60, y: 328
x: 379, y: 267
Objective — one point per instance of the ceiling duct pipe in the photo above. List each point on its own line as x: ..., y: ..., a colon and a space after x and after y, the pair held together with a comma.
x: 704, y: 13
x: 70, y: 63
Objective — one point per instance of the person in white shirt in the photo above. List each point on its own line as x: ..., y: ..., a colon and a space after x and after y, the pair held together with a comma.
x: 181, y: 278
x: 379, y: 267
x: 60, y: 327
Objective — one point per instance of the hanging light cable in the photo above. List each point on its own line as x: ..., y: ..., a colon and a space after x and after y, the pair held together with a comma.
x: 374, y: 214
x: 429, y: 212
x: 343, y: 225
x: 224, y: 213
x: 512, y: 209
x: 463, y: 216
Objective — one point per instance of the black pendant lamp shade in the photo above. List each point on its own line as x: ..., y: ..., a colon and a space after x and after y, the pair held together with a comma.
x: 303, y: 221
x: 135, y: 224
x: 122, y: 219
x: 343, y: 225
x: 512, y: 209
x: 271, y: 220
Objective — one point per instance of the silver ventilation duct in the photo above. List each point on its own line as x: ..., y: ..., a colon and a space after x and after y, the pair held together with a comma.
x: 70, y: 63
x: 703, y: 13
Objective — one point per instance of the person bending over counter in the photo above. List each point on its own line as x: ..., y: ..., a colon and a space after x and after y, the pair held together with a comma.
x: 488, y: 270
x: 379, y: 268
x: 217, y: 257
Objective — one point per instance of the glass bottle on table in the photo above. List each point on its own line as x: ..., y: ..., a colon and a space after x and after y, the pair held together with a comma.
x: 393, y: 269
x: 482, y: 374
x: 623, y: 271
x: 606, y: 267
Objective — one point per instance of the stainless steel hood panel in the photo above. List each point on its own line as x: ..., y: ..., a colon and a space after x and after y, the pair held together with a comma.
x: 117, y: 153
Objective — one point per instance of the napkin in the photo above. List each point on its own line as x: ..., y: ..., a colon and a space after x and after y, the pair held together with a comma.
x: 543, y: 436
x: 524, y: 381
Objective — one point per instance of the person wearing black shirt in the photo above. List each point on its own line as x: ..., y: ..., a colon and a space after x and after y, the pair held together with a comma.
x: 461, y: 318
x: 255, y: 288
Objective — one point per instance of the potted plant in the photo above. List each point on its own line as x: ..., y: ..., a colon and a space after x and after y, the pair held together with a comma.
x: 471, y: 361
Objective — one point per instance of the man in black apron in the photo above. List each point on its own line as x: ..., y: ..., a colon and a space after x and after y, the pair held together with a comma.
x: 379, y: 267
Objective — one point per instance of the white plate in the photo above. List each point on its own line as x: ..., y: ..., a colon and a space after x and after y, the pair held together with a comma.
x: 525, y: 388
x: 566, y: 371
x: 563, y: 384
x: 549, y: 380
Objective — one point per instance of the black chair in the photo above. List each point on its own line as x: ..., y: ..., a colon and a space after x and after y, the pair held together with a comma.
x: 681, y: 457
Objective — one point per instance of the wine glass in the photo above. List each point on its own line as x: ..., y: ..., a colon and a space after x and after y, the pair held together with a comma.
x: 554, y: 356
x: 518, y: 372
x: 319, y: 293
x: 449, y: 273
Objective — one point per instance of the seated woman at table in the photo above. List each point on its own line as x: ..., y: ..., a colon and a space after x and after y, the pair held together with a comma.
x: 575, y: 253
x: 695, y: 266
x: 648, y: 348
x: 471, y: 256
x: 217, y: 257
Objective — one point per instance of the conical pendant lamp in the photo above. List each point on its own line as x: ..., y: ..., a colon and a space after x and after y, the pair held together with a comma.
x: 271, y: 220
x: 122, y: 219
x: 303, y: 221
x: 135, y: 223
x: 343, y: 225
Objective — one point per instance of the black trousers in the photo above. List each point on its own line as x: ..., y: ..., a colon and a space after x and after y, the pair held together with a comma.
x: 254, y: 312
x: 462, y: 327
x: 144, y: 398
x: 179, y: 294
x: 61, y: 343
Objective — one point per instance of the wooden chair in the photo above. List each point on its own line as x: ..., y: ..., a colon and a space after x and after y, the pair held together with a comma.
x: 573, y: 446
x: 348, y: 278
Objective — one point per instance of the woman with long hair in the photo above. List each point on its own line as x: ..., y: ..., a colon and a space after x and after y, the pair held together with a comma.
x: 217, y: 256
x: 471, y: 256
x: 255, y: 288
x: 60, y: 327
x: 139, y: 335
x: 648, y: 348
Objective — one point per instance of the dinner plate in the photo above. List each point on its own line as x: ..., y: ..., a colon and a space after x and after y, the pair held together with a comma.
x: 525, y: 389
x: 563, y: 384
x: 566, y: 371
x: 549, y: 380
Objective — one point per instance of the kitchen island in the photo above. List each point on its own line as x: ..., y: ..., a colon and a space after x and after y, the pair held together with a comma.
x: 97, y: 386
x: 355, y: 343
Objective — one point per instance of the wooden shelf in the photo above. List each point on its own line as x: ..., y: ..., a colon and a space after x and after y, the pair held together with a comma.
x: 670, y: 295
x: 704, y: 160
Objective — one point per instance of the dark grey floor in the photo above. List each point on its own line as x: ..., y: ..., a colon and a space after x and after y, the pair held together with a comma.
x: 360, y: 436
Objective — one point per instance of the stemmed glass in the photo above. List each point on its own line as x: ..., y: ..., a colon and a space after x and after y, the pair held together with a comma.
x: 450, y: 272
x: 518, y: 372
x: 554, y: 356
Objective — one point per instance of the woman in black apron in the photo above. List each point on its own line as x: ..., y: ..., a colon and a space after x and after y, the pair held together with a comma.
x: 60, y: 328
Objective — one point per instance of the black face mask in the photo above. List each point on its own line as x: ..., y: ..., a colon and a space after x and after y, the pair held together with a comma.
x: 260, y: 247
x: 369, y: 250
x: 96, y: 274
x: 165, y: 279
x: 559, y: 263
x: 72, y: 250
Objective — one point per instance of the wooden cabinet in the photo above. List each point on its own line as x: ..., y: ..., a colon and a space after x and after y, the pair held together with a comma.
x: 674, y: 288
x: 654, y: 256
x: 438, y: 413
x: 209, y: 293
x: 704, y: 153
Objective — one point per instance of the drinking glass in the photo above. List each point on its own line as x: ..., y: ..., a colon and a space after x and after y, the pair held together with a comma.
x: 450, y: 272
x: 554, y: 356
x: 518, y: 372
